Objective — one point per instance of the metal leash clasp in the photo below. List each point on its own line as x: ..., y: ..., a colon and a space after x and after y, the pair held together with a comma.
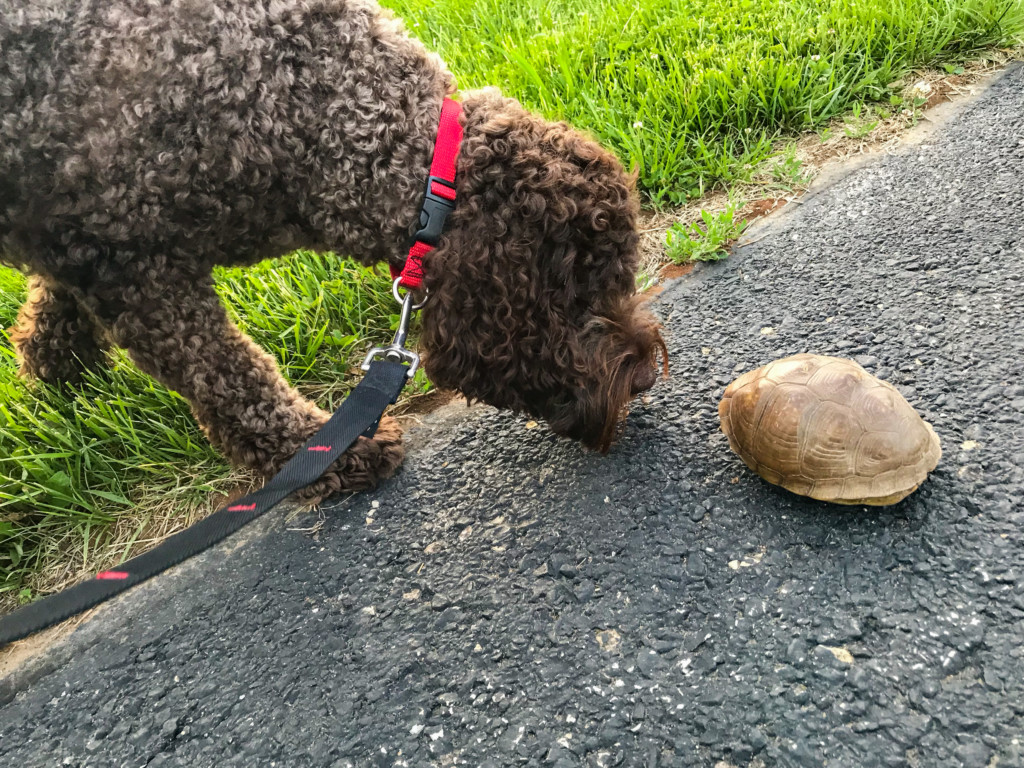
x: 397, y: 352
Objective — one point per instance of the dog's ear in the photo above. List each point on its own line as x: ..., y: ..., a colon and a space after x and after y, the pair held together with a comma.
x: 596, y: 248
x: 496, y: 327
x: 573, y: 200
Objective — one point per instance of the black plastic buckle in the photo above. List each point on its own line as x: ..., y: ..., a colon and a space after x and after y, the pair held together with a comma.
x: 434, y: 212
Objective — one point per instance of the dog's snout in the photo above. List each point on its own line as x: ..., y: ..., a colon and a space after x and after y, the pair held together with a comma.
x: 643, y: 379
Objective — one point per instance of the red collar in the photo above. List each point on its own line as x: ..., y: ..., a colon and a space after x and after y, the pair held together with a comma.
x: 439, y: 199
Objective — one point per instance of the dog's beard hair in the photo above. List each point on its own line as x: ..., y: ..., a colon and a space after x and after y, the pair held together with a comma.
x: 633, y: 343
x: 617, y: 398
x: 620, y: 374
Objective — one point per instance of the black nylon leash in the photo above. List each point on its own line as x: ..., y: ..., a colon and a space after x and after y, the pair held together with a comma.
x: 358, y: 415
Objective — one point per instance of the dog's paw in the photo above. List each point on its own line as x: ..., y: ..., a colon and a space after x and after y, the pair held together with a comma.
x: 362, y: 466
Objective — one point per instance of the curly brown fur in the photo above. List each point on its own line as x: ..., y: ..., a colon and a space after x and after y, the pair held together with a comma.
x: 532, y: 290
x: 56, y: 340
x: 143, y: 142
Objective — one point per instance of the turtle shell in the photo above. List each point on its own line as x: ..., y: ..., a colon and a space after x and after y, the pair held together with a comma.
x: 824, y: 427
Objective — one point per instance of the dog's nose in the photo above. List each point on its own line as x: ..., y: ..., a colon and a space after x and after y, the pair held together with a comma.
x: 643, y: 379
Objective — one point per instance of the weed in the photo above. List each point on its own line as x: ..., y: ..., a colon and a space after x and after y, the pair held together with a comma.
x: 644, y: 280
x: 856, y: 126
x: 787, y: 169
x: 691, y: 242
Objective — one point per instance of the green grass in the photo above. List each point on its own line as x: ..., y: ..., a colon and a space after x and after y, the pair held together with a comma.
x: 786, y: 170
x: 707, y: 240
x: 314, y: 313
x: 693, y: 94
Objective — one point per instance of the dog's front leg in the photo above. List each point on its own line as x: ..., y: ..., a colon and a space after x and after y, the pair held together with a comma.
x: 176, y: 330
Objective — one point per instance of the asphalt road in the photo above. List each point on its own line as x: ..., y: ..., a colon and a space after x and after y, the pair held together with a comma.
x: 511, y: 599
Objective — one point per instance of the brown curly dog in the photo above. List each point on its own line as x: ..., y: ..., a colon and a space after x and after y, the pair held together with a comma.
x: 143, y: 142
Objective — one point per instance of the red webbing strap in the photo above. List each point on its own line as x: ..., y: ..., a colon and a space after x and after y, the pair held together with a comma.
x: 446, y: 148
x: 442, y: 167
x: 412, y: 273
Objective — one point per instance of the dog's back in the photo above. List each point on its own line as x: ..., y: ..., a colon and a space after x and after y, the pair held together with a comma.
x: 31, y: 35
x: 205, y: 129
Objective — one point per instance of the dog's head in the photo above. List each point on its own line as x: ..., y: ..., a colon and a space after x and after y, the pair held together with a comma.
x: 533, y: 302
